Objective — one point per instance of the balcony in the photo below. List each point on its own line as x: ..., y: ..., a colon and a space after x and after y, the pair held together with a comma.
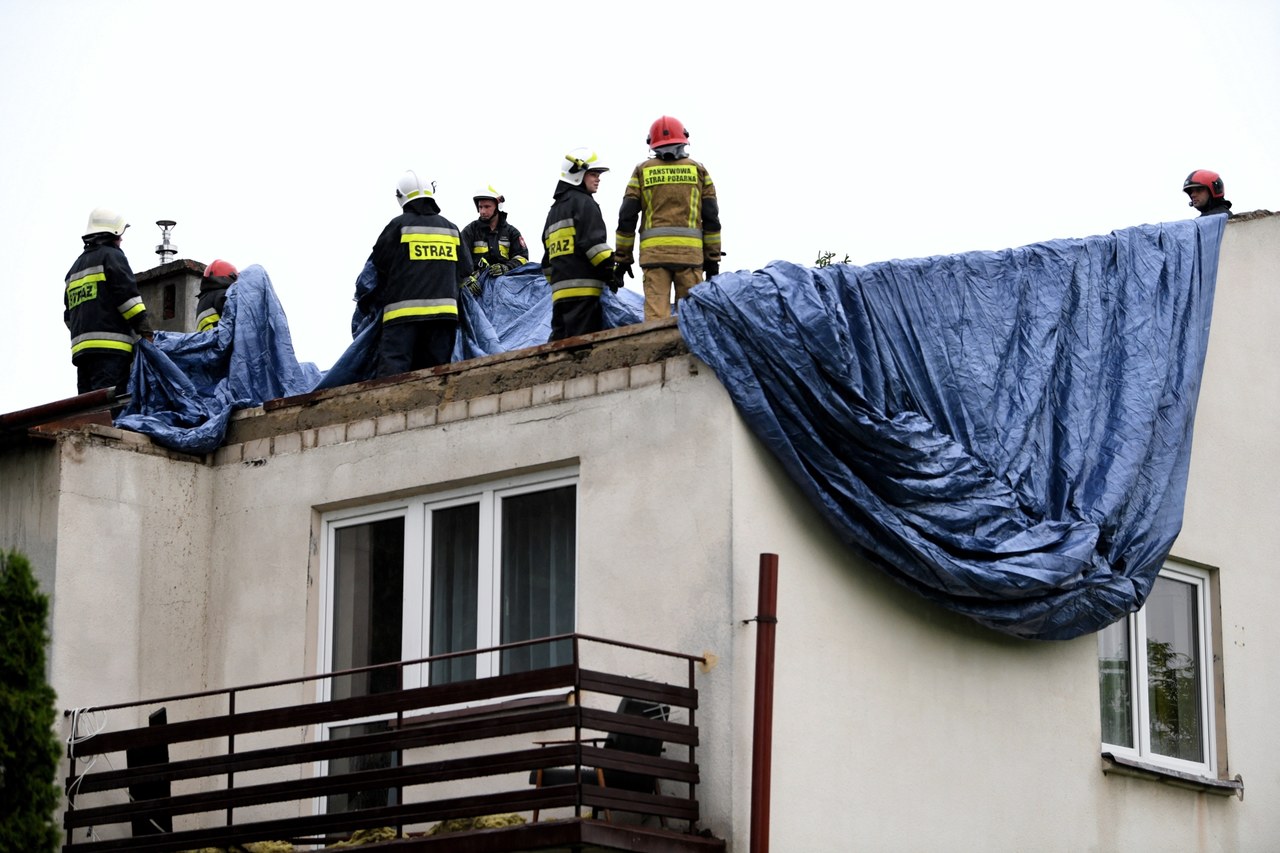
x: 537, y: 750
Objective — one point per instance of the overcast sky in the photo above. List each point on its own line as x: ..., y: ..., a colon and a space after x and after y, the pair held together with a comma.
x: 274, y: 132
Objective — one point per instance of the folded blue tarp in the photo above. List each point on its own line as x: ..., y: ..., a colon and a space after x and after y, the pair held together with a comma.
x: 512, y: 312
x: 185, y: 386
x: 1005, y: 433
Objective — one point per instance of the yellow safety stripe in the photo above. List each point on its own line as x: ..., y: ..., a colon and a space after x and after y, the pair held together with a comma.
x: 95, y: 274
x: 101, y: 344
x: 207, y: 322
x: 431, y: 244
x: 599, y: 254
x: 683, y: 242
x: 136, y: 308
x: 571, y: 292
x: 420, y: 311
x: 559, y: 241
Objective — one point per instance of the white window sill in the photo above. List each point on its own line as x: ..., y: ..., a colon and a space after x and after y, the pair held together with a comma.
x: 1120, y: 766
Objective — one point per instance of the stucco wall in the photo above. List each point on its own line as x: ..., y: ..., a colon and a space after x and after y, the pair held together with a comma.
x: 29, y: 507
x: 898, y: 725
x: 131, y: 589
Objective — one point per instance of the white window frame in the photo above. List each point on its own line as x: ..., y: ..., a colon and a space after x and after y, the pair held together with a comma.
x: 1201, y: 582
x: 416, y: 597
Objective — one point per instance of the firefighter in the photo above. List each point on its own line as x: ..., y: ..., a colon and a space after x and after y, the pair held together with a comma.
x: 679, y: 220
x: 495, y: 244
x: 218, y: 278
x: 420, y: 260
x: 577, y: 260
x: 1205, y: 190
x: 103, y: 309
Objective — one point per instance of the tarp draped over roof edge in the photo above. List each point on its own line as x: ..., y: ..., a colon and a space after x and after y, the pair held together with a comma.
x: 185, y: 386
x: 1006, y: 433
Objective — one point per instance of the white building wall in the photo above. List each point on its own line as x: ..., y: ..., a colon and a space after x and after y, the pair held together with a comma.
x: 130, y: 596
x: 898, y: 725
x: 902, y: 727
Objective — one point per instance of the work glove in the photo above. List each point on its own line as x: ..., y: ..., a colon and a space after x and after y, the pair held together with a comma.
x: 619, y: 273
x: 497, y: 269
x: 472, y: 284
x: 711, y: 268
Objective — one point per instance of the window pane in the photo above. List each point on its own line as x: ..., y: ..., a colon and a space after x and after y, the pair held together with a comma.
x: 1173, y: 670
x: 368, y: 576
x: 538, y: 575
x: 455, y: 541
x: 367, y: 798
x: 1114, y: 669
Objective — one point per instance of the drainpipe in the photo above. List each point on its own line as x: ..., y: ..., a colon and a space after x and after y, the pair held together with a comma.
x: 762, y: 730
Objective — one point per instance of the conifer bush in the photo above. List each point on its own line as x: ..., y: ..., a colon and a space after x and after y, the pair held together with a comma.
x: 29, y: 748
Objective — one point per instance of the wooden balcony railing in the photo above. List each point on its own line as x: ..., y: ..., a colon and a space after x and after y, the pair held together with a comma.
x: 251, y: 763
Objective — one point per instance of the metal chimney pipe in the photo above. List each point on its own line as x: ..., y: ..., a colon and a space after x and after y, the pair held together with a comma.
x: 166, y: 250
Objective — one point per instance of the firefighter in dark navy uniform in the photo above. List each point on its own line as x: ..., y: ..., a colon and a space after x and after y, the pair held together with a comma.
x: 102, y: 307
x: 675, y: 200
x: 420, y: 260
x: 496, y: 245
x: 218, y: 278
x: 577, y: 261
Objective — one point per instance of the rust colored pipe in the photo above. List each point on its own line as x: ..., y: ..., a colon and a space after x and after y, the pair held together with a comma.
x: 762, y: 731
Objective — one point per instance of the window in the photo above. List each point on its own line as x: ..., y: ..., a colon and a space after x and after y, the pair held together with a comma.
x: 445, y: 573
x: 1157, y: 678
x: 451, y: 572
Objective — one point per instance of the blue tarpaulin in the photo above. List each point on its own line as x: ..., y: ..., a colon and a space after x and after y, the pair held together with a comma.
x: 1005, y: 433
x: 185, y: 386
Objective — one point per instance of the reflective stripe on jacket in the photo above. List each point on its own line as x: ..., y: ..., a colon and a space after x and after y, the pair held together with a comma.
x: 496, y: 246
x: 576, y: 260
x: 681, y: 217
x: 102, y: 307
x: 420, y: 258
x: 209, y: 307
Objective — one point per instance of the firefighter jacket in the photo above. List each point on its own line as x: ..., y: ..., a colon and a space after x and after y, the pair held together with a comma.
x: 212, y: 298
x: 102, y: 306
x: 577, y: 260
x: 419, y: 258
x: 503, y: 246
x: 680, y: 224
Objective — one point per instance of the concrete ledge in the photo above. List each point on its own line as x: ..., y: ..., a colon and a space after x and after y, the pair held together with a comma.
x: 605, y: 362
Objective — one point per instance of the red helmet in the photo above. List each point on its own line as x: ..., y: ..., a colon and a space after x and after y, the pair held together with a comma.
x: 221, y: 269
x: 666, y: 131
x: 1211, y: 181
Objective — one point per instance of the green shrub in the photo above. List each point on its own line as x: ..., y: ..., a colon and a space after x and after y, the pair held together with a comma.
x: 29, y: 749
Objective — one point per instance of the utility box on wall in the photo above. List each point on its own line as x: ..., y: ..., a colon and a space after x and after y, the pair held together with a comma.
x: 169, y: 292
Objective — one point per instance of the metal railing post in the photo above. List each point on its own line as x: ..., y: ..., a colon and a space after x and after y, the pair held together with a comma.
x: 231, y: 750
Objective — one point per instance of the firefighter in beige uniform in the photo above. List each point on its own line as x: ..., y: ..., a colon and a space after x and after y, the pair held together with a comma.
x: 680, y: 228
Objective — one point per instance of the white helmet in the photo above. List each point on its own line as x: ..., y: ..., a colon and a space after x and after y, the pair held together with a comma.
x: 411, y: 187
x: 577, y: 163
x: 105, y: 221
x: 490, y: 193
